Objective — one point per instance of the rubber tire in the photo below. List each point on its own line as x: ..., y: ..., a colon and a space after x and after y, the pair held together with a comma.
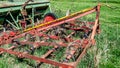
x: 50, y: 14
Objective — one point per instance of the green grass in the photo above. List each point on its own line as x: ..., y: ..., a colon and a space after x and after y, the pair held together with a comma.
x: 108, y: 53
x: 107, y: 49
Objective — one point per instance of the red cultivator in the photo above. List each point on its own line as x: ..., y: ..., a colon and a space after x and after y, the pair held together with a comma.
x: 67, y: 32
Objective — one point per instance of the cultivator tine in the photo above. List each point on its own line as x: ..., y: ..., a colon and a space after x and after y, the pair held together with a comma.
x: 68, y: 12
x: 31, y: 50
x: 47, y: 54
x: 70, y: 33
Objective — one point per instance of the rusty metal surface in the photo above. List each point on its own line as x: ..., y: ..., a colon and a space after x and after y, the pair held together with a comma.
x: 37, y: 58
x: 54, y: 33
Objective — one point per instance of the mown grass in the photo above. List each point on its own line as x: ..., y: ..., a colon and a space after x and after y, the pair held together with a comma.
x: 105, y: 54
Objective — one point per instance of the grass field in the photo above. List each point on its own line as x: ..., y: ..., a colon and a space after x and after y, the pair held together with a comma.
x: 107, y: 49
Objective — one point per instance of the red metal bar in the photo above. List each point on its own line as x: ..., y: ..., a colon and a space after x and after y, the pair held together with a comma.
x: 83, y: 53
x: 7, y: 39
x: 51, y: 24
x: 96, y: 22
x: 37, y: 58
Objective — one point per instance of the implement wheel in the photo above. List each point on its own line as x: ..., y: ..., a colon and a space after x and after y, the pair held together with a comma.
x: 49, y: 17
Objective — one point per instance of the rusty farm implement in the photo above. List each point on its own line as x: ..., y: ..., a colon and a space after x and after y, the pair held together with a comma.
x: 68, y: 32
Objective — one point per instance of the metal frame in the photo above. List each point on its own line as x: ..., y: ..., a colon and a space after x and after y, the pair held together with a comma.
x: 39, y: 30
